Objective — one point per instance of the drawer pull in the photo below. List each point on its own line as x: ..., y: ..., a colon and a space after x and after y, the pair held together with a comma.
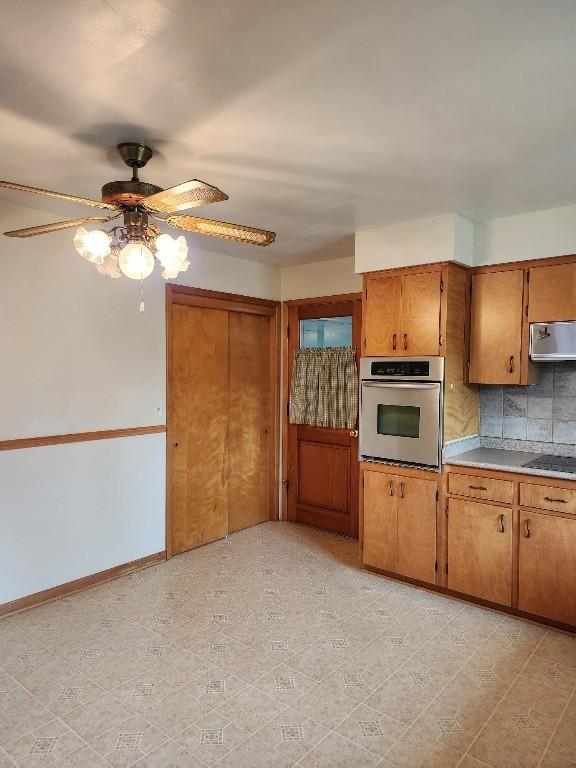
x: 478, y: 487
x: 527, y: 530
x: 511, y: 364
x: 555, y: 501
x: 393, y: 341
x: 401, y: 494
x: 391, y: 488
x: 501, y: 523
x: 405, y: 341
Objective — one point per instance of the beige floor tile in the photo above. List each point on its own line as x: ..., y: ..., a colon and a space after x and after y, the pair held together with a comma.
x: 499, y: 749
x: 558, y: 647
x: 291, y: 734
x: 354, y: 678
x: 70, y: 692
x: 337, y: 752
x: 527, y: 694
x: 44, y: 745
x: 176, y: 712
x: 325, y: 706
x: 471, y: 762
x: 215, y: 686
x: 85, y: 757
x: 211, y: 738
x: 169, y: 755
x: 284, y: 683
x: 92, y: 719
x: 5, y: 761
x: 127, y: 742
x: 551, y: 673
x: 251, y: 708
x: 371, y: 730
x: 20, y: 712
x: 449, y: 725
x: 142, y: 691
x: 564, y: 740
x: 251, y: 753
x: 551, y: 760
x: 398, y: 700
x: 414, y: 750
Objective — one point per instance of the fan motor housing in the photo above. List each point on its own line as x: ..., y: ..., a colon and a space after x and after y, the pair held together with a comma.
x: 128, y: 192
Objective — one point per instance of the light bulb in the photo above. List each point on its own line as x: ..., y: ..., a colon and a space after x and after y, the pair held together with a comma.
x: 93, y: 246
x: 136, y: 261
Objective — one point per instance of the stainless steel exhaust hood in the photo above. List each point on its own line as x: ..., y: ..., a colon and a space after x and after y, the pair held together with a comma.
x: 551, y: 342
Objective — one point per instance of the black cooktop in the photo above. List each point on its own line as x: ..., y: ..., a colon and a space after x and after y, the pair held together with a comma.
x: 553, y: 463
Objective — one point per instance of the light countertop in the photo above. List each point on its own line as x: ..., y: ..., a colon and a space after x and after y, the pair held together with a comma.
x: 505, y: 461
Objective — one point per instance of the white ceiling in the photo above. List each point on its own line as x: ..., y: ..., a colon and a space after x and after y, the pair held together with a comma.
x: 317, y: 117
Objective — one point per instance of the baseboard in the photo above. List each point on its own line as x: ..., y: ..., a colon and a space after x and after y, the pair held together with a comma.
x: 47, y: 595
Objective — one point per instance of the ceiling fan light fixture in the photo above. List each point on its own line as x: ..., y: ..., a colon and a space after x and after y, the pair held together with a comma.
x: 92, y: 245
x: 136, y: 261
x: 172, y: 254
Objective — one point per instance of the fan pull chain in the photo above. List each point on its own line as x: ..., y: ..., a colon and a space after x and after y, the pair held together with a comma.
x: 141, y: 296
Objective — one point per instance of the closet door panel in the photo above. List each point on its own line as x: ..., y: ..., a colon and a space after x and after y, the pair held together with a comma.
x: 249, y: 430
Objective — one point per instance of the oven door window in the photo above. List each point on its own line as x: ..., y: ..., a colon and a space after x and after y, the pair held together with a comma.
x: 398, y: 420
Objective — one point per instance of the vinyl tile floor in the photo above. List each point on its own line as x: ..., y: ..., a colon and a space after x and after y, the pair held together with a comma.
x: 273, y: 649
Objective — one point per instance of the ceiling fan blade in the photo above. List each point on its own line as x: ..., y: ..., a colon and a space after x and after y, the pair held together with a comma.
x: 44, y: 229
x: 59, y: 195
x: 223, y: 229
x: 184, y: 196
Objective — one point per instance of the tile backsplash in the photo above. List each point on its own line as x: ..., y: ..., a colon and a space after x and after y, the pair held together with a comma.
x: 543, y: 412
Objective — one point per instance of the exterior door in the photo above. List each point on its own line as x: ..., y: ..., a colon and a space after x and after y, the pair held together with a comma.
x: 480, y: 550
x: 547, y: 583
x: 496, y: 327
x: 417, y: 528
x: 322, y: 465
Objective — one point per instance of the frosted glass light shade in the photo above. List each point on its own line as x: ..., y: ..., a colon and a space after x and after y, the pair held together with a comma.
x: 93, y: 246
x: 171, y: 253
x: 136, y: 261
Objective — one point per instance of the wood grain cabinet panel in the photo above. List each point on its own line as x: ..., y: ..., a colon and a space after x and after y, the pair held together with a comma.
x: 496, y: 327
x: 417, y: 528
x: 382, y: 326
x: 480, y: 550
x: 548, y: 497
x: 547, y: 566
x: 481, y: 487
x: 380, y: 541
x: 421, y: 314
x: 552, y: 293
x: 324, y: 472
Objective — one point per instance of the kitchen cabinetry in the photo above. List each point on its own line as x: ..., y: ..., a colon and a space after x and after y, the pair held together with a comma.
x: 402, y: 314
x: 480, y: 550
x: 496, y: 328
x: 547, y: 566
x: 399, y: 524
x: 552, y: 293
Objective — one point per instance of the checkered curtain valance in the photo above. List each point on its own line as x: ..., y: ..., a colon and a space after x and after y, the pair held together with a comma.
x: 324, y: 388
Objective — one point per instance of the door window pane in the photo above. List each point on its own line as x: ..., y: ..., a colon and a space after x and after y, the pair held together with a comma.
x: 326, y: 332
x: 398, y: 420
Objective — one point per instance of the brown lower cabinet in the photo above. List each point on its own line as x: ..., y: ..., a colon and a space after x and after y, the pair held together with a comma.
x: 547, y: 566
x: 400, y: 524
x: 480, y: 550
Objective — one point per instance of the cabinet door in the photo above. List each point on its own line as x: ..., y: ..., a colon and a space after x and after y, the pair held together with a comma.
x: 496, y: 327
x: 382, y: 316
x: 552, y: 293
x: 547, y: 578
x: 380, y: 521
x: 417, y: 528
x: 421, y: 314
x: 480, y: 550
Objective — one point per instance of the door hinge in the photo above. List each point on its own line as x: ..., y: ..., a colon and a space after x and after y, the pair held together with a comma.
x: 441, y: 285
x: 440, y: 340
x: 436, y: 565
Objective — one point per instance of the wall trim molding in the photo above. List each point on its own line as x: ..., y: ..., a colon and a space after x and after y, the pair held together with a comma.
x: 79, y: 437
x: 79, y: 585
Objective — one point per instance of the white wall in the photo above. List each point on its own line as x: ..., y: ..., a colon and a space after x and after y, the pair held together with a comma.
x: 77, y: 356
x: 424, y: 241
x: 534, y: 235
x: 320, y: 278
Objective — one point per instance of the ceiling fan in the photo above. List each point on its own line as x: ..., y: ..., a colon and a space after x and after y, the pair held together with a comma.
x: 130, y: 248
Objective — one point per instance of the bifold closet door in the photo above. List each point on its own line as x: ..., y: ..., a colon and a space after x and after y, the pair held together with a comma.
x: 249, y: 432
x: 199, y: 408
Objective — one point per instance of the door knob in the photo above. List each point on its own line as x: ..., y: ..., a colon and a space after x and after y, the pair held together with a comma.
x: 353, y: 433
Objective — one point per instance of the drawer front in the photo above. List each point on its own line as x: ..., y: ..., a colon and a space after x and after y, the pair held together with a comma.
x: 481, y: 487
x: 548, y: 497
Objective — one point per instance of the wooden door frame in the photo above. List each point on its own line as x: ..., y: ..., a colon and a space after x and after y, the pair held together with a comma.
x: 288, y: 346
x: 231, y: 302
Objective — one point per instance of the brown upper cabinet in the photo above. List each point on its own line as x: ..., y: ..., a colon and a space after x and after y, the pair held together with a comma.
x: 402, y: 314
x: 496, y: 328
x: 552, y: 293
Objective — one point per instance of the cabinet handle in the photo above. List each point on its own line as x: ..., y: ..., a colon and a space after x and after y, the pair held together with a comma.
x: 478, y: 487
x: 393, y: 341
x: 527, y: 530
x: 405, y: 341
x: 391, y: 488
x: 401, y: 494
x: 511, y: 364
x: 556, y: 501
x: 501, y: 523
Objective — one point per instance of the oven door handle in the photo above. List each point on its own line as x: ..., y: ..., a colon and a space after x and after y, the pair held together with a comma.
x: 403, y: 385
